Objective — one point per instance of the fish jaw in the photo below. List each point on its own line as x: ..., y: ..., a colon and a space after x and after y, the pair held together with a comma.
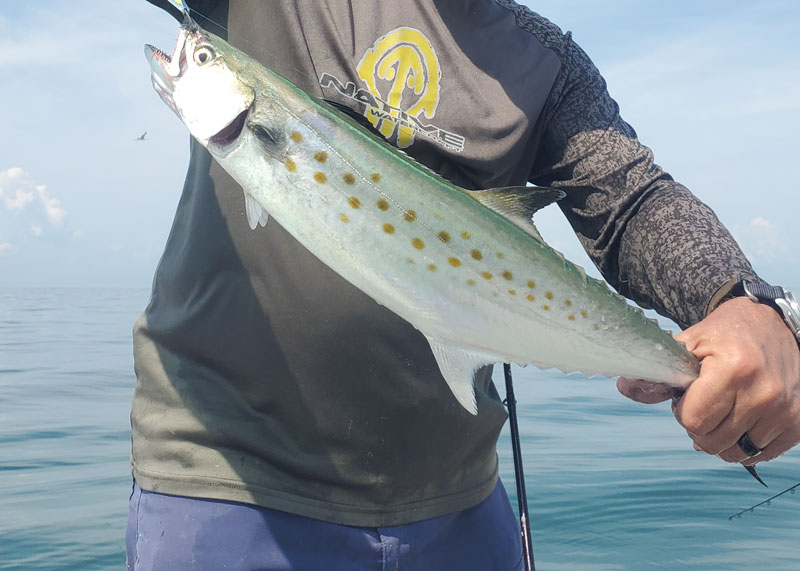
x: 201, y: 89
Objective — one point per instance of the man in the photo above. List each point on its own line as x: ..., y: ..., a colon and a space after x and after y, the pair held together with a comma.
x: 283, y: 420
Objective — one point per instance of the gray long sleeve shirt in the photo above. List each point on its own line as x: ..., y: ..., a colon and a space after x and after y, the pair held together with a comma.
x: 263, y: 377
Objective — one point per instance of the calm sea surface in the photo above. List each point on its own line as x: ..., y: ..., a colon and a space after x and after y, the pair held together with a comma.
x: 611, y: 484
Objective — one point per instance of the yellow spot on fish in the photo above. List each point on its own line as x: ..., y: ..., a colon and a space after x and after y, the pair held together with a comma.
x: 471, y: 282
x: 410, y: 260
x: 465, y: 235
x: 529, y: 297
x: 486, y: 275
x: 320, y: 177
x: 375, y: 177
x: 568, y: 302
x: 432, y: 267
x: 388, y: 228
x: 444, y: 236
x: 476, y: 254
x: 410, y: 215
x: 354, y: 202
x: 546, y: 307
x: 512, y: 291
x: 596, y: 327
x: 531, y: 284
x: 383, y: 204
x: 321, y: 156
x: 455, y: 262
x: 584, y: 314
x: 344, y: 218
x: 290, y: 166
x: 507, y: 275
x: 548, y: 294
x: 417, y: 243
x: 501, y: 255
x: 571, y: 317
x: 296, y: 137
x: 349, y: 178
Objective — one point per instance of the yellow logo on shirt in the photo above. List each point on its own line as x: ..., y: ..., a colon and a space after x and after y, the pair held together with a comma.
x: 403, y: 78
x: 404, y: 64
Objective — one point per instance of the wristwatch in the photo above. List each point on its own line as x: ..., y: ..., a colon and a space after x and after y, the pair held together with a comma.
x: 779, y: 299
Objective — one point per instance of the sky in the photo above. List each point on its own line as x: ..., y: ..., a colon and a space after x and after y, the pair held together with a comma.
x: 713, y: 87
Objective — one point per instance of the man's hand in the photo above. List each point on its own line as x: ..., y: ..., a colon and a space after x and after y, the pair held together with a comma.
x: 749, y: 382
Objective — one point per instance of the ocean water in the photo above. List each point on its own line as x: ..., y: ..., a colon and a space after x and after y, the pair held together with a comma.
x: 611, y: 484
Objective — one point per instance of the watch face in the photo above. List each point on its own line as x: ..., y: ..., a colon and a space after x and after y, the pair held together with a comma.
x: 791, y: 312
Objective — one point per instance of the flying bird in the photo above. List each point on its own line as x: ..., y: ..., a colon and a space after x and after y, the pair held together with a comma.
x: 142, y: 136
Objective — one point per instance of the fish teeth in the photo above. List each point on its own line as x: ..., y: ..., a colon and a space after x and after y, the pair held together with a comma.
x: 161, y: 54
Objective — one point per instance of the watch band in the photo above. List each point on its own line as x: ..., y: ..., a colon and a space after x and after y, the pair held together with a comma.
x: 776, y: 297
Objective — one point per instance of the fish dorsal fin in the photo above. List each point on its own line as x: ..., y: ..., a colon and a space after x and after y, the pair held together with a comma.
x: 255, y: 213
x: 518, y: 203
x: 458, y: 367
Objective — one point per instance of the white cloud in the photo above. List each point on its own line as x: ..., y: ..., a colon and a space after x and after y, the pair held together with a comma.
x: 52, y: 206
x: 717, y: 70
x: 21, y: 199
x: 31, y: 218
x: 13, y: 189
x: 762, y: 224
x: 18, y: 190
x: 761, y: 239
x: 11, y: 174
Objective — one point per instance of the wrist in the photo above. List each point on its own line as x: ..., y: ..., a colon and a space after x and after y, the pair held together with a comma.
x: 782, y: 301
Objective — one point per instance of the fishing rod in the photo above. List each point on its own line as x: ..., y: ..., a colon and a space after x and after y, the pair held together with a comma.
x: 519, y: 476
x: 767, y: 501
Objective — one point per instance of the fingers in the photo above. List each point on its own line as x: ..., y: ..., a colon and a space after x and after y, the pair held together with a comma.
x: 646, y: 392
x: 768, y: 436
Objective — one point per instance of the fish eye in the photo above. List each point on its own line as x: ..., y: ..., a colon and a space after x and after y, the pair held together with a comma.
x: 203, y: 55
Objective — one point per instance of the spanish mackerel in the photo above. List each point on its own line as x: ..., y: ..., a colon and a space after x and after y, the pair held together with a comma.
x: 466, y: 268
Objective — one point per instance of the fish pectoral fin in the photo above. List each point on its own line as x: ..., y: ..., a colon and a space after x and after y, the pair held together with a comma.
x: 458, y: 367
x: 272, y: 141
x: 255, y: 213
x: 518, y: 203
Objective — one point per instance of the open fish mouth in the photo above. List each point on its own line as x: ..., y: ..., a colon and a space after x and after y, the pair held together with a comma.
x: 161, y: 73
x: 228, y: 135
x: 166, y: 69
x: 207, y: 98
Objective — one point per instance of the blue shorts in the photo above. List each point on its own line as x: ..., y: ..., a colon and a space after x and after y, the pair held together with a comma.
x: 172, y: 532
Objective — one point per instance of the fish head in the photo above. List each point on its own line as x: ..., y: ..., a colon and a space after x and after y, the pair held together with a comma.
x: 201, y: 83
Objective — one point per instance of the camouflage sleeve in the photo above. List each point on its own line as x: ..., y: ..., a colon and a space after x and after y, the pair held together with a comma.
x: 651, y: 238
